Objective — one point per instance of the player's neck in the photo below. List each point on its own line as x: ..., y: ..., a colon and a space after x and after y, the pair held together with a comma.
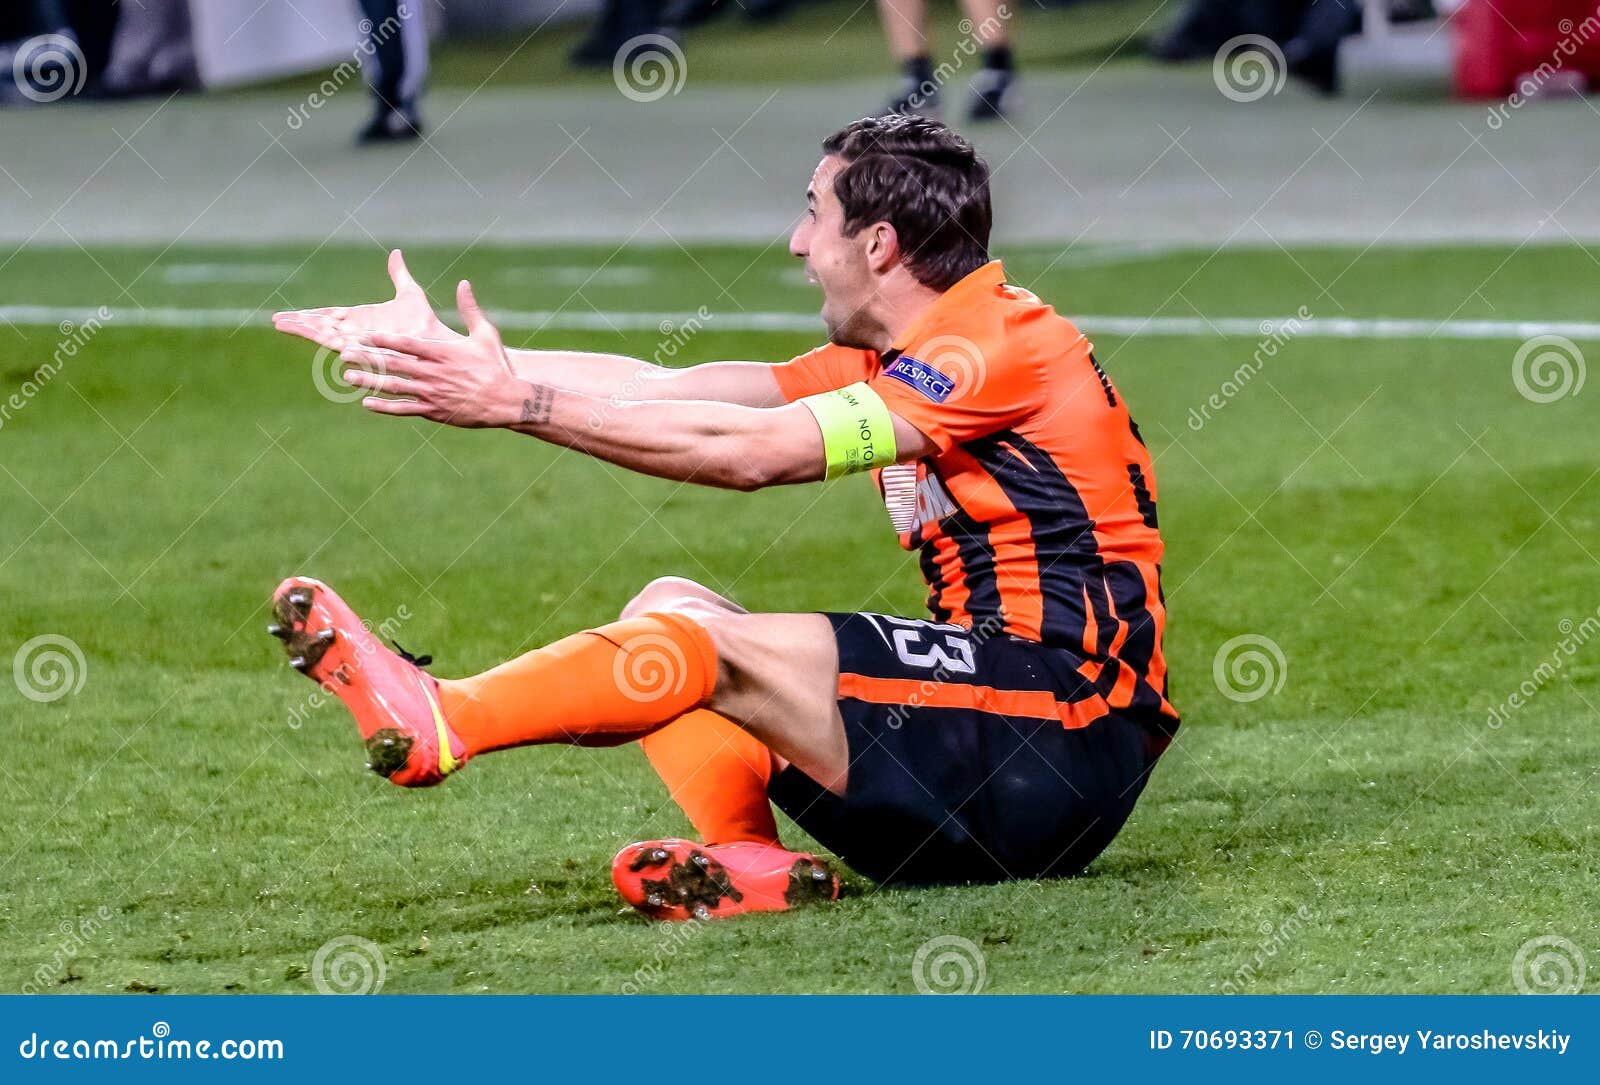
x: 900, y: 303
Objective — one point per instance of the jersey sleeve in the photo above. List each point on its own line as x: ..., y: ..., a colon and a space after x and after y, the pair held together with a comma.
x: 822, y: 370
x: 954, y: 391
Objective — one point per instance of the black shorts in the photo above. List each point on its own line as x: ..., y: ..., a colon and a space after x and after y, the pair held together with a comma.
x: 950, y: 784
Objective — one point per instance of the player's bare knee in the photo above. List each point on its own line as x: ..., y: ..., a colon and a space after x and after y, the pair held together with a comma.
x: 670, y: 593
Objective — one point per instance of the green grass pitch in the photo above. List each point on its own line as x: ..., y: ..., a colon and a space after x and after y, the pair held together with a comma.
x: 1408, y: 529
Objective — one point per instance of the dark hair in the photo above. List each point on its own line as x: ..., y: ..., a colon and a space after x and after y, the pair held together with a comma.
x: 923, y: 179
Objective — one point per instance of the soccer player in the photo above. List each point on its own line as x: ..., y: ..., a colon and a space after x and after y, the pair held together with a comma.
x: 1008, y: 737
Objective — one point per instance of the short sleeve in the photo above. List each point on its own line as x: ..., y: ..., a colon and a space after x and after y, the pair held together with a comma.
x: 824, y: 369
x: 954, y: 391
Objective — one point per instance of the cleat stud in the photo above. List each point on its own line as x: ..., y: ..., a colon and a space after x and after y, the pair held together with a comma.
x: 278, y: 631
x: 655, y: 900
x: 658, y: 855
x: 702, y: 912
x: 298, y: 662
x: 819, y: 875
x: 700, y: 861
x: 326, y: 636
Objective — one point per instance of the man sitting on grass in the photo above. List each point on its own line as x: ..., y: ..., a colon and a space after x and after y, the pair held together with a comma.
x: 1008, y: 737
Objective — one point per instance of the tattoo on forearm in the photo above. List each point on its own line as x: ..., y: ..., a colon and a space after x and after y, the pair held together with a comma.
x: 536, y: 409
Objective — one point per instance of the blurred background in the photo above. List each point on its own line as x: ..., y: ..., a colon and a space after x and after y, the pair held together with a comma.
x: 1198, y: 121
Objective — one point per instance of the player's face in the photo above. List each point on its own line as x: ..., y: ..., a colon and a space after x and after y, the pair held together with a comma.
x: 834, y: 261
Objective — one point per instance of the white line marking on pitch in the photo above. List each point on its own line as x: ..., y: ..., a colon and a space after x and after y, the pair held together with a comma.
x: 536, y: 320
x: 193, y: 274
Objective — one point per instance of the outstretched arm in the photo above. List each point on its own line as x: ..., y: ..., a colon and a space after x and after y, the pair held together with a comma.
x: 470, y: 382
x: 611, y: 377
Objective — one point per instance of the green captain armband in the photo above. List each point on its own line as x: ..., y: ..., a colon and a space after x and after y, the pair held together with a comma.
x: 857, y: 429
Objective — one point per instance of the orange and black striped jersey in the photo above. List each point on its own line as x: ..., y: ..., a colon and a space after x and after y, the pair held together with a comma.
x: 1036, y: 517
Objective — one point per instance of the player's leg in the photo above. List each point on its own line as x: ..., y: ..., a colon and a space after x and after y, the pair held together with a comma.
x: 772, y: 674
x: 653, y: 673
x: 714, y: 770
x: 905, y: 25
x: 992, y: 86
x: 718, y: 771
x: 396, y: 54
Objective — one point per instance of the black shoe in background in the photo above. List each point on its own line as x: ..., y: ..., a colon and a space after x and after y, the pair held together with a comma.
x: 914, y: 97
x: 391, y: 124
x: 993, y: 95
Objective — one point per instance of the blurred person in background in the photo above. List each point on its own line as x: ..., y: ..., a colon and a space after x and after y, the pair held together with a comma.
x: 39, y: 52
x: 623, y: 21
x: 151, y: 48
x: 619, y: 22
x: 397, y: 51
x: 905, y: 24
x: 1308, y: 31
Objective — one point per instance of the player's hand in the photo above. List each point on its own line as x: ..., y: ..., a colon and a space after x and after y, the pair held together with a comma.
x: 408, y: 313
x: 466, y: 381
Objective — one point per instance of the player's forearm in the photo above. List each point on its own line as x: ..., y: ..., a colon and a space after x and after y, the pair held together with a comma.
x: 605, y: 376
x: 620, y: 379
x: 706, y: 443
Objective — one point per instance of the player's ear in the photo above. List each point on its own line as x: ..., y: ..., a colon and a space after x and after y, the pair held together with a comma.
x: 882, y: 248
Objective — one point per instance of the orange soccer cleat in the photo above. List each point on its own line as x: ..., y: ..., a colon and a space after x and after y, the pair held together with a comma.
x: 679, y: 879
x: 395, y: 702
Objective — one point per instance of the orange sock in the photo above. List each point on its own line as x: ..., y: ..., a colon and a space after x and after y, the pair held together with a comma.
x: 599, y: 687
x: 717, y: 772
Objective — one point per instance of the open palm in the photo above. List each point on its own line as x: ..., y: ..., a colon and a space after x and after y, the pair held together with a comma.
x: 407, y: 313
